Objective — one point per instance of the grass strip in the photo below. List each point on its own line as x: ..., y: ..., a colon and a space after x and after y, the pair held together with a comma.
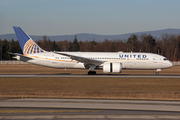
x: 109, y: 88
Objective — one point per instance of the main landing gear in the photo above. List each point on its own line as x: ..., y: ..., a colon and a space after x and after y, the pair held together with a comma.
x: 91, y: 69
x: 92, y: 73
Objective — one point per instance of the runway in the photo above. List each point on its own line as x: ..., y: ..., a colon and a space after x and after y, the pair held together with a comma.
x: 68, y: 75
x: 93, y: 104
x: 102, y: 109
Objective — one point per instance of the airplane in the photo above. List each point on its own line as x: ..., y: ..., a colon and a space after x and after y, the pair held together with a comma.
x: 109, y: 62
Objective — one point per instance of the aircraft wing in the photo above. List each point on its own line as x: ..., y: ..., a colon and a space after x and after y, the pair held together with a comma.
x: 83, y: 59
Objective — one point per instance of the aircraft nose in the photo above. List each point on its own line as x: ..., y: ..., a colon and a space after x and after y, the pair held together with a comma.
x: 170, y: 64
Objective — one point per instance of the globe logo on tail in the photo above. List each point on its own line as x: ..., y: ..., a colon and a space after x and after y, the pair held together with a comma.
x: 31, y: 47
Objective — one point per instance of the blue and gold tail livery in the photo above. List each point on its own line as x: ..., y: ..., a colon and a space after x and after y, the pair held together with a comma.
x: 28, y: 46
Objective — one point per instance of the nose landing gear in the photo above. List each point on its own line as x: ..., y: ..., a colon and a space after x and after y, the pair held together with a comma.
x: 157, y: 72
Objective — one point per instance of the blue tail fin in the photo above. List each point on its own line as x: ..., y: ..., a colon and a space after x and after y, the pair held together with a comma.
x: 28, y: 46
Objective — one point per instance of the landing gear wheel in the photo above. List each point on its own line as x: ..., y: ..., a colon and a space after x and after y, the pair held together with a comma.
x: 92, y: 73
x: 157, y: 73
x: 89, y: 73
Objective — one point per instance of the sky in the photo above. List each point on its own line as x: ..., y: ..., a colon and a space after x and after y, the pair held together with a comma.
x: 104, y: 17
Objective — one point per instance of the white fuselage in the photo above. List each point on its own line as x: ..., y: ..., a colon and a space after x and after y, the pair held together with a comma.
x: 128, y: 60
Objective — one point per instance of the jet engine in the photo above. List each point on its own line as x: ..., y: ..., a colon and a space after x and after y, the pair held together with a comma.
x: 114, y: 67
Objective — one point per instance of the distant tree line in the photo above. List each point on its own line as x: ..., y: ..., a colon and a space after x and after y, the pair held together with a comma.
x: 168, y: 45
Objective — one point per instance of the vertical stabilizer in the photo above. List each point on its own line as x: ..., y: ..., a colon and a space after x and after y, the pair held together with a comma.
x: 28, y: 46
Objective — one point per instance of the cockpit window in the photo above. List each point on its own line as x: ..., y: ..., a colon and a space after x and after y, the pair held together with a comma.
x: 165, y: 59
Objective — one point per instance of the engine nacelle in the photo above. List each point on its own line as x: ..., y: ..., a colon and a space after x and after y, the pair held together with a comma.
x: 115, y: 67
x: 107, y: 67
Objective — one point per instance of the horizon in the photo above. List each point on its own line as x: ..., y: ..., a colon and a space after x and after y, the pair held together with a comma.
x: 158, y: 34
x: 100, y: 34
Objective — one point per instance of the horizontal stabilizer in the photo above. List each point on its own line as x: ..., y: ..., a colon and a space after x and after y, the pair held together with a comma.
x: 19, y: 56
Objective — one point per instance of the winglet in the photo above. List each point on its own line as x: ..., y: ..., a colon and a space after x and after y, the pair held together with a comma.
x: 28, y: 46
